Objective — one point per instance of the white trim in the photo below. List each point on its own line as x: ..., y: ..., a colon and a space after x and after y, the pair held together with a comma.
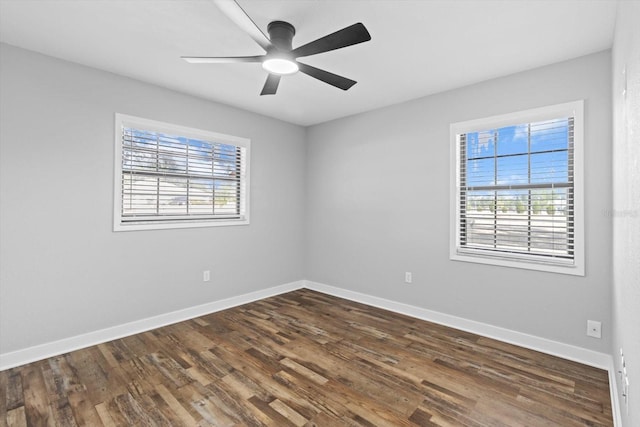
x: 544, y: 345
x: 531, y: 115
x: 43, y: 351
x: 613, y: 391
x: 565, y: 351
x: 574, y: 109
x: 122, y: 120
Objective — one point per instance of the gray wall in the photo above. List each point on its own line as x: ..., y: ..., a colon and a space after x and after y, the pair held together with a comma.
x: 626, y: 204
x: 63, y: 270
x: 378, y: 205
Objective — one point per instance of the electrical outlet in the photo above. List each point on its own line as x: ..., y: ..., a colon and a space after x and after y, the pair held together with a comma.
x: 206, y: 276
x: 408, y: 277
x: 594, y: 328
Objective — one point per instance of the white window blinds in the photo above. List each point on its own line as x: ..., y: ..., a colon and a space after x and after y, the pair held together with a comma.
x: 516, y: 190
x: 170, y: 177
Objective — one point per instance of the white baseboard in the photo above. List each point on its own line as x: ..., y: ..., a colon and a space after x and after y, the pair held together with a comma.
x: 565, y: 351
x: 613, y: 390
x: 555, y: 348
x: 43, y: 351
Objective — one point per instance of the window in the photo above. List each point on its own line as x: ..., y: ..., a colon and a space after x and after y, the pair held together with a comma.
x: 169, y: 176
x: 517, y: 190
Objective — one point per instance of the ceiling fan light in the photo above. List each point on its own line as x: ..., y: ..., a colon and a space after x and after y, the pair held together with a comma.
x: 280, y: 66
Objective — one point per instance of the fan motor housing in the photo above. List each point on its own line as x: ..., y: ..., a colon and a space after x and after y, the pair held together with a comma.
x: 281, y: 34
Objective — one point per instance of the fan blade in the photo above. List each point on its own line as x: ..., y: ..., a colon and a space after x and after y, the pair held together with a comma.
x: 354, y: 34
x: 232, y: 9
x: 327, y: 77
x: 221, y: 59
x: 271, y: 85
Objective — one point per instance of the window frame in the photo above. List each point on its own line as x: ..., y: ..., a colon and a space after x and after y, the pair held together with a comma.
x: 123, y: 120
x: 576, y: 267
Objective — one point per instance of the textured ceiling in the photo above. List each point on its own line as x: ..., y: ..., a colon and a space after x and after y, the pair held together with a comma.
x: 417, y: 47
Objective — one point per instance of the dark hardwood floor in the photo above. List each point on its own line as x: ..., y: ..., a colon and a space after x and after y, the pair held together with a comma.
x: 305, y: 359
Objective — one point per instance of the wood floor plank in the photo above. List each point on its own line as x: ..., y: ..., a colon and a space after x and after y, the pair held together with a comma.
x: 101, y: 381
x: 228, y: 402
x: 12, y: 390
x: 305, y: 359
x: 4, y: 398
x: 289, y: 413
x: 38, y: 407
x: 84, y: 412
x: 277, y: 418
x: 237, y: 390
x: 16, y: 417
x: 105, y: 416
x: 181, y: 414
x: 323, y: 419
x: 204, y: 402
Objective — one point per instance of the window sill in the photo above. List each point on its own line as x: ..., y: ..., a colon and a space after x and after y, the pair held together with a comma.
x: 570, y: 269
x: 138, y: 226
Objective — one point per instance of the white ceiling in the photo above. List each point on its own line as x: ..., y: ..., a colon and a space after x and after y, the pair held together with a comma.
x: 417, y: 48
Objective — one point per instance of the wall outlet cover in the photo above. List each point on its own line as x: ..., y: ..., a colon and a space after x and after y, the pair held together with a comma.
x: 594, y: 329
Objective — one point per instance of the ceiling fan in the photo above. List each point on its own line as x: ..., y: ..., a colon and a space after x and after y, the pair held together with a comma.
x: 280, y: 58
